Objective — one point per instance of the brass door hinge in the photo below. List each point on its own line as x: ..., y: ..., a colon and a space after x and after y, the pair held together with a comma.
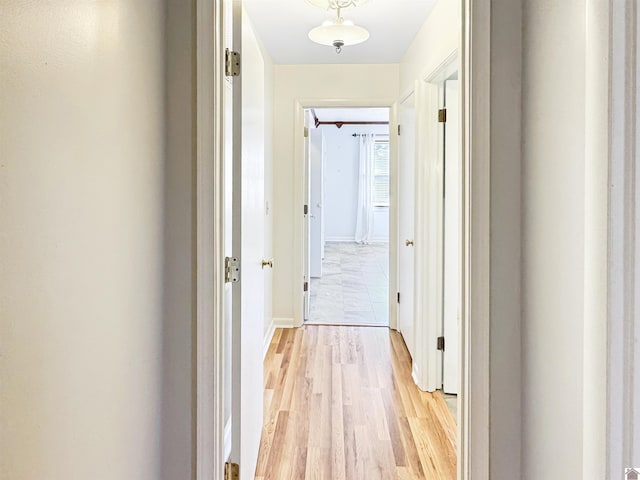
x: 442, y: 115
x: 441, y: 343
x: 231, y: 63
x: 231, y: 471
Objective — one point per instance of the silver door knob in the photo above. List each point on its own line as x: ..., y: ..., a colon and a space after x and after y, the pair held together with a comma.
x: 409, y: 243
x: 267, y: 263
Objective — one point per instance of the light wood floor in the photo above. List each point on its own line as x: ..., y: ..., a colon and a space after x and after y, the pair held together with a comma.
x: 340, y: 404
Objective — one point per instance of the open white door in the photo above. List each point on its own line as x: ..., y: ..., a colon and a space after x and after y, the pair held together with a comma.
x: 248, y: 247
x: 315, y: 202
x: 406, y: 209
x: 452, y: 238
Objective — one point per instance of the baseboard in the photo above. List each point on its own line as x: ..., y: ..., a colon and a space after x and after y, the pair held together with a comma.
x: 340, y: 239
x: 415, y: 374
x: 283, y: 323
x: 227, y: 439
x: 267, y: 338
x: 353, y: 240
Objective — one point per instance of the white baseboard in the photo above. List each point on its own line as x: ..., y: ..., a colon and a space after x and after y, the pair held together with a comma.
x: 267, y: 338
x: 353, y: 240
x: 227, y: 439
x: 340, y: 239
x: 283, y: 323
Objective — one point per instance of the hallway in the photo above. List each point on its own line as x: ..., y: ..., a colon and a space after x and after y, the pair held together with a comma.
x: 340, y: 404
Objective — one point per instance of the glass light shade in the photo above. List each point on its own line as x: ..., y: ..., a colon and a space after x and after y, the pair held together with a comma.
x: 335, y: 4
x: 338, y: 30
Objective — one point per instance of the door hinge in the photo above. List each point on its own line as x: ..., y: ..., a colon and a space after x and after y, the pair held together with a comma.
x: 231, y: 471
x: 231, y: 63
x: 231, y: 270
x: 306, y: 209
x: 441, y: 343
x: 398, y: 297
x: 442, y: 115
x: 306, y: 132
x: 305, y: 287
x: 398, y: 130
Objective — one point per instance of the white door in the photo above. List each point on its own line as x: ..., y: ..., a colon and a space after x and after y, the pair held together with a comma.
x: 452, y: 238
x: 406, y: 208
x: 248, y: 241
x: 316, y: 198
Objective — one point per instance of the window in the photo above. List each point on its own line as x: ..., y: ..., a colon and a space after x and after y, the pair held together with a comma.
x: 381, y: 173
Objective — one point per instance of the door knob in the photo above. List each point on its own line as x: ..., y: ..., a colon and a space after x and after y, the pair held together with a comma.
x: 409, y: 243
x: 268, y: 263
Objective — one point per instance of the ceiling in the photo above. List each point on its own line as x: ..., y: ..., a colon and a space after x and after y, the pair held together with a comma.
x: 283, y: 26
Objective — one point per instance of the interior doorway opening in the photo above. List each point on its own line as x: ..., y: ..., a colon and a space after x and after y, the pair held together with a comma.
x: 347, y: 187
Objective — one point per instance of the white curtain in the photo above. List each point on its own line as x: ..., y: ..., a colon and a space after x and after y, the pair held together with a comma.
x: 364, y: 219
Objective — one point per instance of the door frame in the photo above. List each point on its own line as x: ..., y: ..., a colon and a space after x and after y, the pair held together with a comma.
x: 473, y: 424
x: 475, y: 105
x: 427, y: 366
x: 299, y: 171
x: 209, y: 388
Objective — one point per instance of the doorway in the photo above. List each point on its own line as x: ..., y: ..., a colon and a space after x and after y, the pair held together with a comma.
x: 347, y: 182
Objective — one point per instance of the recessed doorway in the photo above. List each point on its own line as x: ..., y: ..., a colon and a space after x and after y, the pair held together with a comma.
x: 349, y: 205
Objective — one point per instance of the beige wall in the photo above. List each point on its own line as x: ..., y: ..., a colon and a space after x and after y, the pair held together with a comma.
x: 438, y: 38
x: 95, y: 248
x: 553, y: 237
x: 178, y: 241
x: 292, y: 82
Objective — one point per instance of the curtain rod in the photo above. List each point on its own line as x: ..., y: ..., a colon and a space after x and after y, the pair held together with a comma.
x: 375, y: 134
x: 340, y: 124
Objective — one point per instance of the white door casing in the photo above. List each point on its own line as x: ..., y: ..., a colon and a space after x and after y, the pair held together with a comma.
x: 306, y: 216
x: 427, y: 367
x: 473, y: 427
x: 210, y: 365
x: 406, y: 212
x: 229, y: 298
x: 315, y: 202
x: 452, y: 245
x: 299, y: 222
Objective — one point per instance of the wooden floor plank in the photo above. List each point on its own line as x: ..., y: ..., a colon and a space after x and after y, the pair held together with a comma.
x: 340, y: 404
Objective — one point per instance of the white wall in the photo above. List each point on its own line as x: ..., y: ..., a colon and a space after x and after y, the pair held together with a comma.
x: 303, y: 82
x: 177, y: 384
x: 95, y: 283
x: 341, y: 163
x: 437, y: 39
x: 553, y: 233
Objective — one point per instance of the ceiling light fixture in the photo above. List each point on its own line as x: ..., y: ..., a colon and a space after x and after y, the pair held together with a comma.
x: 335, y: 4
x: 338, y: 33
